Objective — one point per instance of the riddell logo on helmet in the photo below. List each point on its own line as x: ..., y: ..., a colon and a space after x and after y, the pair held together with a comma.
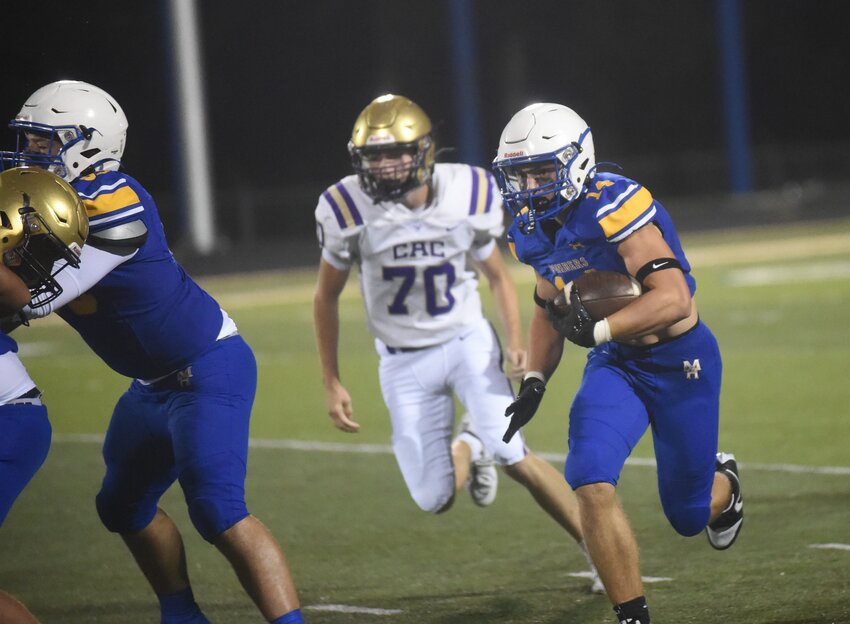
x: 513, y: 154
x: 380, y: 139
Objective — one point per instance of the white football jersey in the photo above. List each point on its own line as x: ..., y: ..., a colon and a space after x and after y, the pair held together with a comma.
x: 416, y: 285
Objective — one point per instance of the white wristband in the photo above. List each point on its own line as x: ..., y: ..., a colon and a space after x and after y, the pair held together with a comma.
x: 602, y: 332
x: 536, y: 375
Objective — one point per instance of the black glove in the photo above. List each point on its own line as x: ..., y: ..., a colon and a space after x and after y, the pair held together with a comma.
x: 522, y: 409
x: 576, y: 325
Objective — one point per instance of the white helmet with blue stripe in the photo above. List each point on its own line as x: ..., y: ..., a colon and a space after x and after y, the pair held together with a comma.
x: 544, y: 160
x: 69, y: 127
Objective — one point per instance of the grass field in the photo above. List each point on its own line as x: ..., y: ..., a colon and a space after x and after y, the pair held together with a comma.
x: 777, y: 299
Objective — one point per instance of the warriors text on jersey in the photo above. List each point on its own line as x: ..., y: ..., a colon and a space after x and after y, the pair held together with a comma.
x: 416, y: 285
x: 610, y: 208
x: 146, y: 318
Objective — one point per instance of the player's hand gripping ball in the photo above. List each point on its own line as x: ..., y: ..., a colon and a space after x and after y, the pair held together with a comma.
x: 590, y: 298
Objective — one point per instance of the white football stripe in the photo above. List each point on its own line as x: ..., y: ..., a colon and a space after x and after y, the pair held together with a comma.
x: 645, y: 579
x: 386, y: 449
x: 352, y: 609
x: 785, y: 274
x: 831, y: 546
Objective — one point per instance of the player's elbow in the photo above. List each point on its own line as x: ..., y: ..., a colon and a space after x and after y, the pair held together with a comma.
x: 677, y: 304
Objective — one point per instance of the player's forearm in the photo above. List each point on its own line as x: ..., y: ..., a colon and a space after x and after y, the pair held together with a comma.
x: 652, y: 312
x: 14, y: 294
x: 545, y: 345
x: 326, y: 322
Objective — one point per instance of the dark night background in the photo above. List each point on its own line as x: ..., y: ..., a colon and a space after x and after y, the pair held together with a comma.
x: 285, y: 81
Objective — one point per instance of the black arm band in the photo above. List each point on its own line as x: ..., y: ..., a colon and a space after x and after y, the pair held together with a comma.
x: 659, y: 264
x: 538, y: 299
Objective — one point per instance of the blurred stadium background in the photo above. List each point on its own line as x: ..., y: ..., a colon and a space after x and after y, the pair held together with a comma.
x: 744, y: 137
x: 730, y: 111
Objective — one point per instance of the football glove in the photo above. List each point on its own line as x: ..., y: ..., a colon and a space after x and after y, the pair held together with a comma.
x: 524, y: 406
x: 576, y: 325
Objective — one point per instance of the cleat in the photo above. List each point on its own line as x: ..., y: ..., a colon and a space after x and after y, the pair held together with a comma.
x: 483, y: 482
x: 483, y: 478
x: 597, y: 587
x: 723, y: 532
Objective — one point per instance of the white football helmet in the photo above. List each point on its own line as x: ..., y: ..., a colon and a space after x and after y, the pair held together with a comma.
x: 88, y: 125
x: 544, y: 160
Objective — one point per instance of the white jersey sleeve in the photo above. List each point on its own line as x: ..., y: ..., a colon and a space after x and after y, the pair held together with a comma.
x: 338, y: 221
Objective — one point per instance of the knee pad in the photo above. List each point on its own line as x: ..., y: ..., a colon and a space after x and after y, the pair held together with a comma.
x: 591, y: 464
x: 686, y: 500
x: 687, y: 520
x: 215, y: 494
x: 120, y: 514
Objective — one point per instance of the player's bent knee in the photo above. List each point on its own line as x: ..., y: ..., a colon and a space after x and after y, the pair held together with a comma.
x: 214, y: 489
x: 688, y: 520
x: 433, y: 503
x: 579, y: 472
x: 212, y: 516
x: 119, y: 515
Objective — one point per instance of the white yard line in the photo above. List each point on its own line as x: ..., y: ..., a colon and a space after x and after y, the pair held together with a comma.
x: 831, y: 546
x: 386, y: 449
x: 645, y: 579
x: 788, y: 274
x: 337, y: 608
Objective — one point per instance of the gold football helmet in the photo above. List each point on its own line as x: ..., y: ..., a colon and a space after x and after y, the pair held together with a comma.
x: 43, y: 225
x: 391, y: 147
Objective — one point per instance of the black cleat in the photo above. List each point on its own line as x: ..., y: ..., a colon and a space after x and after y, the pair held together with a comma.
x: 723, y: 531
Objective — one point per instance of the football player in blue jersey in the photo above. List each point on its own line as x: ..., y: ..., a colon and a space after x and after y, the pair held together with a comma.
x: 43, y: 226
x: 185, y: 415
x: 652, y: 364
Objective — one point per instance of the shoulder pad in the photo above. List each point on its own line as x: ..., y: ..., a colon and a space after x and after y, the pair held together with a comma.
x: 123, y: 239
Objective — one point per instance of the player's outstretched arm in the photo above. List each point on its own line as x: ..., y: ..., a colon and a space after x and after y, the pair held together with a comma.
x: 326, y: 321
x: 505, y: 295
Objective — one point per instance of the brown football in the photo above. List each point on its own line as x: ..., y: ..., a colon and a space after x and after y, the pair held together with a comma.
x: 601, y: 292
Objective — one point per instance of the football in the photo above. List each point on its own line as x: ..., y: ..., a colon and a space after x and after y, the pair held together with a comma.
x: 601, y: 292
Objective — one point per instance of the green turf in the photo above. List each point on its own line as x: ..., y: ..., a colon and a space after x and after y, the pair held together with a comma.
x: 354, y: 537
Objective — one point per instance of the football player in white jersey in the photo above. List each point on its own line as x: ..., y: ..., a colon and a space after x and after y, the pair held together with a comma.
x: 410, y: 225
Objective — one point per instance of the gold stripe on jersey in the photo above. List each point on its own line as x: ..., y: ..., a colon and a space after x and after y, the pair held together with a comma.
x: 628, y: 212
x: 342, y: 205
x: 483, y: 187
x: 110, y: 202
x: 599, y: 186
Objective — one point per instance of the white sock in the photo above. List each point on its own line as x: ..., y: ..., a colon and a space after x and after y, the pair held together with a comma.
x: 476, y: 448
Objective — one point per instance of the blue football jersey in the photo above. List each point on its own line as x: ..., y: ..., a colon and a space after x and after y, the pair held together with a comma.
x: 7, y: 344
x: 609, y: 209
x: 147, y: 317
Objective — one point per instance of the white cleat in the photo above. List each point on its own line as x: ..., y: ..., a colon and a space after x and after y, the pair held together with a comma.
x: 483, y: 482
x: 723, y: 532
x: 483, y: 478
x: 597, y: 587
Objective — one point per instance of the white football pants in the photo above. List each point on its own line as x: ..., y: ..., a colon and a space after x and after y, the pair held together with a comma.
x: 417, y: 388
